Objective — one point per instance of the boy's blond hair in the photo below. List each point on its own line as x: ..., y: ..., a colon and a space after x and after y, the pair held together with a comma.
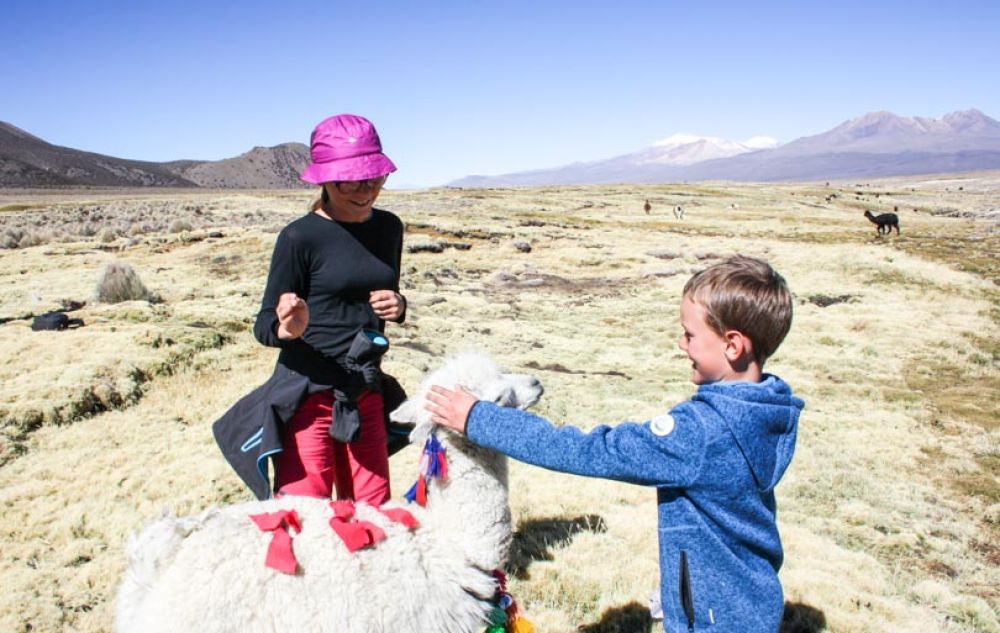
x: 747, y: 295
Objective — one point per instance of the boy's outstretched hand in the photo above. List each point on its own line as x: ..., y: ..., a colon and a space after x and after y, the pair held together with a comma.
x: 450, y: 408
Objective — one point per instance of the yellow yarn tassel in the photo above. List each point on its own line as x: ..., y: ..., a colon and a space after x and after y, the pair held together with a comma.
x: 522, y: 625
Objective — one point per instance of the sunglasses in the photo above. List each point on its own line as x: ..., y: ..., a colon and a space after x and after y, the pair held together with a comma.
x: 354, y: 186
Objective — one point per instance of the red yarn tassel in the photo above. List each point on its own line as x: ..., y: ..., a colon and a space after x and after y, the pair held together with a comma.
x: 421, y: 492
x: 355, y: 534
x: 280, y: 555
x: 400, y: 515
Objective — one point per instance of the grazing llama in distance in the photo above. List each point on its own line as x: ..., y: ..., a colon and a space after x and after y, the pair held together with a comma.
x: 207, y: 574
x: 884, y: 222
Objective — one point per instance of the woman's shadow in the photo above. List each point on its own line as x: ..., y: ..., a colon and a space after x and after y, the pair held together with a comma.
x: 635, y: 618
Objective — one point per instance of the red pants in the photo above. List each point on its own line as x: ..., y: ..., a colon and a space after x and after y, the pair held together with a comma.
x: 312, y: 462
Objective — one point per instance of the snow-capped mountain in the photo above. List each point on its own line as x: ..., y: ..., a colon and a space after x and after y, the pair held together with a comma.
x: 872, y: 145
x: 687, y: 149
x: 674, y: 151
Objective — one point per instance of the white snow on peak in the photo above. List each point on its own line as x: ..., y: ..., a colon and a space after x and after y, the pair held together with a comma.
x: 681, y: 139
x: 687, y: 149
x: 761, y: 142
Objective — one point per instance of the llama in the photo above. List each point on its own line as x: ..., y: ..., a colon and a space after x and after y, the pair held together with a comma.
x: 679, y: 212
x: 207, y: 573
x: 646, y: 207
x: 884, y: 221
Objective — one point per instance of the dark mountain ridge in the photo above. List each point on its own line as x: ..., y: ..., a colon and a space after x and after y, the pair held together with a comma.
x: 28, y: 161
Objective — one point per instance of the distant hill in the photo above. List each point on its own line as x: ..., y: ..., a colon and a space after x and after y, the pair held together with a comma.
x: 873, y: 145
x: 28, y: 161
x: 275, y: 167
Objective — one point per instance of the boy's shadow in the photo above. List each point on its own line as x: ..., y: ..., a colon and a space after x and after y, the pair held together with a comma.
x: 802, y: 618
x: 534, y: 538
x: 632, y: 618
x: 635, y: 618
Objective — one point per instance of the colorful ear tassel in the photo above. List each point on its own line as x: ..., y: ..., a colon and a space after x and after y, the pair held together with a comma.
x: 433, y: 465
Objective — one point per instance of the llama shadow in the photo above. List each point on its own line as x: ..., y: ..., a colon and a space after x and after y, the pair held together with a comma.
x: 534, y: 539
x: 635, y: 618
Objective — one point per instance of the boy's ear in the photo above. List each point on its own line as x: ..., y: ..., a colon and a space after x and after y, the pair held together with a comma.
x: 738, y: 345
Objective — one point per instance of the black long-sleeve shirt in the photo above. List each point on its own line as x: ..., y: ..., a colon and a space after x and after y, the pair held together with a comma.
x: 332, y: 266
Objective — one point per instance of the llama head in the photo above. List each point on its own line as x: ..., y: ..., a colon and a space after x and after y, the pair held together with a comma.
x: 478, y: 374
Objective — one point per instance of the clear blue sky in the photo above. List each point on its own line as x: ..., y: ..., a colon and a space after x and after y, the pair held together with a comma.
x: 480, y: 86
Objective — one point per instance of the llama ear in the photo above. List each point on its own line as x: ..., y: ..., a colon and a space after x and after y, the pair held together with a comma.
x: 410, y: 412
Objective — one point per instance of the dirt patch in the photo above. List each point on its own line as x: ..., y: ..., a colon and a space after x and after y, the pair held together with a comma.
x: 418, y: 228
x: 556, y: 367
x: 825, y: 301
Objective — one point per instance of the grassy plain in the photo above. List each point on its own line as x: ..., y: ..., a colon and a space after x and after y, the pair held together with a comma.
x: 890, y: 512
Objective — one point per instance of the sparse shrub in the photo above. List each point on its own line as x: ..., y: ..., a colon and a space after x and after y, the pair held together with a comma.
x: 135, y: 229
x: 107, y: 235
x: 179, y: 226
x: 426, y: 247
x: 119, y: 282
x: 11, y: 238
x: 30, y: 239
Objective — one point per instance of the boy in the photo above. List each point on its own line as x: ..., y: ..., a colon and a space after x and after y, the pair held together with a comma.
x: 714, y: 459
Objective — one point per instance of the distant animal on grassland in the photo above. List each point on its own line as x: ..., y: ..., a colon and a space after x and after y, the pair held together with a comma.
x: 207, y: 573
x: 646, y: 207
x: 679, y: 212
x: 885, y: 222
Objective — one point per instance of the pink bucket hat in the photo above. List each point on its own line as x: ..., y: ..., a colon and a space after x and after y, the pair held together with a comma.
x: 345, y: 147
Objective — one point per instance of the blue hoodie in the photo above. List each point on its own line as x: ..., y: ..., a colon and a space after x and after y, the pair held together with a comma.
x: 714, y: 460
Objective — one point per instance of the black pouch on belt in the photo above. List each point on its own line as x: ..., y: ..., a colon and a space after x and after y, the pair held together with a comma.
x: 362, y: 359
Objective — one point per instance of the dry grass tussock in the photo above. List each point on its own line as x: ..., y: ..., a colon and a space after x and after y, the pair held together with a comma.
x: 890, y: 513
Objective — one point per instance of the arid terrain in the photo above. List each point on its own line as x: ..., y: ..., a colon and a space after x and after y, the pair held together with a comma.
x: 889, y: 513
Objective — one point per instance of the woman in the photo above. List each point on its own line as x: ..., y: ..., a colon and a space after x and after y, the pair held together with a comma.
x: 332, y: 285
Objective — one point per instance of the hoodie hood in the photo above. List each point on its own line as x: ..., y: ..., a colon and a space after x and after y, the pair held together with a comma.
x: 763, y: 418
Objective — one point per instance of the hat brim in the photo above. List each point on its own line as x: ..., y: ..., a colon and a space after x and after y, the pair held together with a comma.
x: 354, y: 168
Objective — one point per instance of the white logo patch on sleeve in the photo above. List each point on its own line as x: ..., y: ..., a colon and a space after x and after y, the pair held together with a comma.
x: 662, y: 424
